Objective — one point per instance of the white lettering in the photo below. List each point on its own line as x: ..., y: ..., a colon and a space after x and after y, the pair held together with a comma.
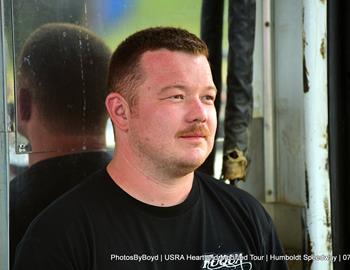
x: 231, y: 261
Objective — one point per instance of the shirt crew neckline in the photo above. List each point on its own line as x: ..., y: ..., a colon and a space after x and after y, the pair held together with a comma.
x: 157, y: 211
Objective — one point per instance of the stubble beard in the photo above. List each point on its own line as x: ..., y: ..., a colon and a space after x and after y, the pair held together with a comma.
x: 162, y: 161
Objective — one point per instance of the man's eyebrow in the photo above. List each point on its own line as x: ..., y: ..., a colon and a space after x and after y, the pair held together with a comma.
x: 169, y: 87
x: 212, y: 88
x: 183, y: 88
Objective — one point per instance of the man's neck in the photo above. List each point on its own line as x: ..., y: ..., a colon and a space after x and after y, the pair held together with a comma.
x: 60, y: 145
x: 157, y: 190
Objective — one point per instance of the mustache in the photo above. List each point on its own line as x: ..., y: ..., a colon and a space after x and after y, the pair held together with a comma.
x: 197, y: 129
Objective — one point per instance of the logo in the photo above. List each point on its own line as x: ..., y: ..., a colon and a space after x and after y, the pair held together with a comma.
x: 226, y: 262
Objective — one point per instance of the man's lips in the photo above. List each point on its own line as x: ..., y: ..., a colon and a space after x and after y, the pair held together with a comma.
x: 193, y: 136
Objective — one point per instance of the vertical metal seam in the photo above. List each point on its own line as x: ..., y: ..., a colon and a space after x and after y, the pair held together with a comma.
x: 4, y: 159
x: 268, y: 107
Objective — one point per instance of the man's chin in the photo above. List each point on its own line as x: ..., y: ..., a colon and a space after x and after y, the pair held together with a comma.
x: 185, y: 167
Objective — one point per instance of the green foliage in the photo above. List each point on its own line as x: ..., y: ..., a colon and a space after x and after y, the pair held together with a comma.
x: 148, y: 13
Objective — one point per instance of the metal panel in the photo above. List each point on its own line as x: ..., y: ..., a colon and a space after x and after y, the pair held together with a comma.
x: 289, y: 115
x: 282, y: 132
x: 4, y: 176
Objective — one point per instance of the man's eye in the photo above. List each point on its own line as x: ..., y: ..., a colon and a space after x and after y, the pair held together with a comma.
x: 209, y: 98
x: 177, y: 97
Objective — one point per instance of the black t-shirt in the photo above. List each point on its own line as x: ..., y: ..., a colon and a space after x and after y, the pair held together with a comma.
x: 98, y: 226
x: 43, y: 183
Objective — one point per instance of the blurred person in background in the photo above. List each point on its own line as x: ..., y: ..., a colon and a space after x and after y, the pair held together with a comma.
x: 61, y: 88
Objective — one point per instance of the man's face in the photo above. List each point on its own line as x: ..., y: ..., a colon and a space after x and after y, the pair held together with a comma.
x: 173, y: 123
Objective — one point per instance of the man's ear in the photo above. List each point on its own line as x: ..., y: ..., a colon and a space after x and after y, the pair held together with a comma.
x: 24, y: 104
x: 118, y: 110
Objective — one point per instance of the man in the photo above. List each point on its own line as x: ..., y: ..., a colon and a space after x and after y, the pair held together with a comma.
x: 62, y: 83
x: 148, y: 209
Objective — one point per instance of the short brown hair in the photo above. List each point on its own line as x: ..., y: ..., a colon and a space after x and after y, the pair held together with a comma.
x: 124, y: 70
x: 66, y: 66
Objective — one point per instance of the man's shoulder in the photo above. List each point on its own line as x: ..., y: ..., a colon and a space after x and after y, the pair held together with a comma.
x: 66, y: 221
x: 29, y: 187
x: 76, y: 202
x: 58, y: 172
x: 92, y: 188
x: 20, y: 183
x: 220, y: 186
x: 231, y: 197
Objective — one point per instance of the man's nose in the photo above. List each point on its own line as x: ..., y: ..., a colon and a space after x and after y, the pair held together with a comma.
x: 197, y: 111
